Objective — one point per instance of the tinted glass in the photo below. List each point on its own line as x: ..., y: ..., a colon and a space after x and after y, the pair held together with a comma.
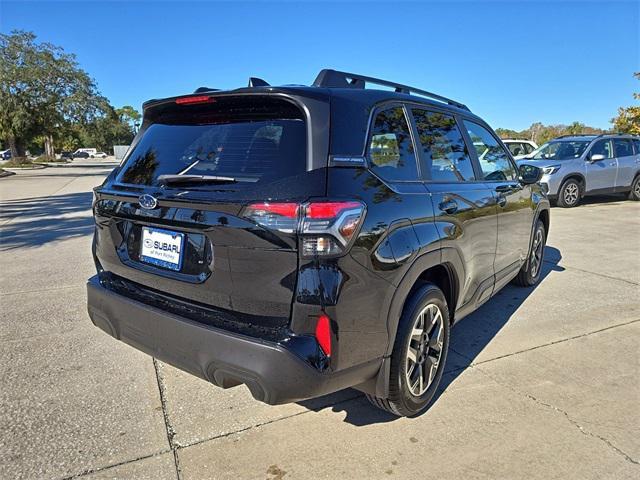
x: 245, y: 145
x: 622, y: 147
x: 603, y: 147
x: 636, y: 144
x: 391, y: 150
x: 528, y: 148
x: 494, y: 160
x: 443, y: 147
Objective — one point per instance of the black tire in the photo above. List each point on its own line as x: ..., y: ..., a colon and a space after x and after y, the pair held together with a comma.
x: 402, y: 401
x: 634, y: 194
x: 529, y: 273
x: 570, y: 194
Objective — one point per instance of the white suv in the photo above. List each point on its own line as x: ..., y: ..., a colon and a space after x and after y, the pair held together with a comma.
x: 520, y: 148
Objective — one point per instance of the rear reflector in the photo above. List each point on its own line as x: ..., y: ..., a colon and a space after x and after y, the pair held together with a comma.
x: 323, y: 334
x: 196, y: 99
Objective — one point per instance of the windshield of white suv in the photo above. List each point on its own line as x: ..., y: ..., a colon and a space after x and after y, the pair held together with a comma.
x: 561, y: 150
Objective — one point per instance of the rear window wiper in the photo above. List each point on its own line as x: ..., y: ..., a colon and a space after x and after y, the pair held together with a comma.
x: 176, y: 179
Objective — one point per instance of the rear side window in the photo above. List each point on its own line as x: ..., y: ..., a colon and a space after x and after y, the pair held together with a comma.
x: 602, y: 147
x: 622, y: 147
x: 443, y: 147
x: 636, y: 143
x: 516, y: 148
x: 494, y: 160
x: 246, y: 140
x: 391, y: 151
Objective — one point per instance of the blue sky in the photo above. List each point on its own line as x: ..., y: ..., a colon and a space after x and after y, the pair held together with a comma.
x: 512, y: 62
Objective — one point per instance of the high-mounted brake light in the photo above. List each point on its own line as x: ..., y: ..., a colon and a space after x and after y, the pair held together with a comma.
x: 326, y: 228
x: 196, y: 99
x: 323, y: 334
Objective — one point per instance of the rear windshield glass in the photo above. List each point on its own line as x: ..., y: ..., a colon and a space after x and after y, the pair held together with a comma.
x: 248, y: 140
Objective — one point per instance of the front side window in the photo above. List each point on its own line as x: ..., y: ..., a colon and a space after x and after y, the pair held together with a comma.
x: 528, y: 148
x: 494, y: 160
x: 602, y: 147
x: 443, y: 147
x: 390, y: 150
x: 622, y: 147
x: 561, y: 150
x: 636, y: 143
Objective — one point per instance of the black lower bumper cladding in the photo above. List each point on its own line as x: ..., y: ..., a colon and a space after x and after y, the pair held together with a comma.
x: 272, y: 373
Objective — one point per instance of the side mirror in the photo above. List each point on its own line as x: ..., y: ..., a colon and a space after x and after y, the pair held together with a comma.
x: 596, y: 158
x: 529, y: 174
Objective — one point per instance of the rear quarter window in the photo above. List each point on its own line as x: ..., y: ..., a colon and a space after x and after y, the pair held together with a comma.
x: 391, y: 152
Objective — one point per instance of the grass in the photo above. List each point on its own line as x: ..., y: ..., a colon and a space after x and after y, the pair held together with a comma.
x: 19, y: 162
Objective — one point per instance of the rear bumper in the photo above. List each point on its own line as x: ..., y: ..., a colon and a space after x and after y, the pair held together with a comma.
x: 272, y: 372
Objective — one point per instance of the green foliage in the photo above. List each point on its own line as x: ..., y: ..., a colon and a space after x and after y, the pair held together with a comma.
x: 540, y: 133
x: 628, y: 119
x: 41, y: 88
x: 47, y: 99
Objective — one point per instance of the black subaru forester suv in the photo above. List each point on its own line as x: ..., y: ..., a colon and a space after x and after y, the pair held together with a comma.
x: 301, y: 240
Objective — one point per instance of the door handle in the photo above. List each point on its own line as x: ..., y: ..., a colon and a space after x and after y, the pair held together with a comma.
x: 507, y: 188
x: 449, y: 206
x: 612, y: 164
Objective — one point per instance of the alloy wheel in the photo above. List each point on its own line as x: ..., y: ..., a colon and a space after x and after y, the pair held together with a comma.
x: 425, y: 349
x: 636, y: 189
x: 571, y: 193
x: 537, y: 252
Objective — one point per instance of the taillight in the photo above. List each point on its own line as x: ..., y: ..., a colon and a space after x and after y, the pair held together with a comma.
x: 277, y: 216
x: 323, y: 334
x: 325, y: 228
x: 328, y: 227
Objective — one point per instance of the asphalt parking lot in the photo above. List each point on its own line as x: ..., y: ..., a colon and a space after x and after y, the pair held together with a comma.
x: 541, y: 383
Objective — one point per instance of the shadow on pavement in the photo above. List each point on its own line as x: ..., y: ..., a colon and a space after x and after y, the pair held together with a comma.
x: 32, y: 222
x: 468, y: 339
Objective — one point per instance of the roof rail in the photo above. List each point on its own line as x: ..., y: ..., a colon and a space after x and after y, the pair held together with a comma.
x: 596, y: 135
x: 336, y: 79
x: 581, y: 135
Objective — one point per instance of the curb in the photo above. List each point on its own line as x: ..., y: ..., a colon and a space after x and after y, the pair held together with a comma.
x: 36, y: 166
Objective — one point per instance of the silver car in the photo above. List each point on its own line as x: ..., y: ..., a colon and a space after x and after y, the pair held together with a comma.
x: 580, y: 165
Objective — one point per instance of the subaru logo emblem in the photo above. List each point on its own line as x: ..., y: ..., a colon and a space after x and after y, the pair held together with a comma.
x: 147, y: 202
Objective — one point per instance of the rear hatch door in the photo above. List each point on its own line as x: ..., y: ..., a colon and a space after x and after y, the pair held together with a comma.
x: 171, y: 219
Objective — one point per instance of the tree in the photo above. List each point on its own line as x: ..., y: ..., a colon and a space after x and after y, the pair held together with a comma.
x: 129, y: 115
x: 42, y: 90
x: 628, y: 119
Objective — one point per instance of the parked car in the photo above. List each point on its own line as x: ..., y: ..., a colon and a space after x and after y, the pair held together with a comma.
x: 66, y: 154
x: 5, y: 154
x: 302, y: 240
x: 576, y: 166
x: 80, y: 154
x: 90, y: 151
x: 99, y: 155
x: 520, y: 148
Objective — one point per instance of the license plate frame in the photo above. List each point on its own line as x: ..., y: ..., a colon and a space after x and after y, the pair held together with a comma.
x: 157, y: 248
